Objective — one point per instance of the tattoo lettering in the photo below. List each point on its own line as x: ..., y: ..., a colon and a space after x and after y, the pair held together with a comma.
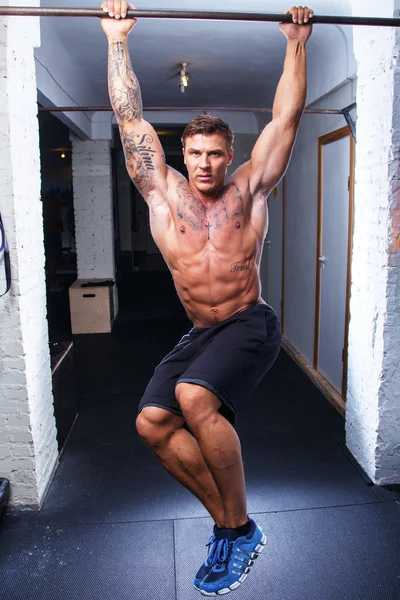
x: 237, y: 267
x: 139, y: 156
x: 146, y: 152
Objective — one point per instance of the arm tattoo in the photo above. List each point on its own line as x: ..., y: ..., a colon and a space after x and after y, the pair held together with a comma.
x: 139, y: 156
x: 123, y: 86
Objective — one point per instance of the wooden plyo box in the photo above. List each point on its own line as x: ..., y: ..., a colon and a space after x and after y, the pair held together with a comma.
x: 91, y: 308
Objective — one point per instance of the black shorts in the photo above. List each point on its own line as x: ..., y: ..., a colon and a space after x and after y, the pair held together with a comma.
x: 229, y: 359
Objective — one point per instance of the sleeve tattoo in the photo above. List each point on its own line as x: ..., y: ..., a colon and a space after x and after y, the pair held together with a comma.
x: 123, y: 85
x: 139, y: 156
x: 126, y: 100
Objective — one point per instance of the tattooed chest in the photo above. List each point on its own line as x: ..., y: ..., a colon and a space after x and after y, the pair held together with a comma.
x: 224, y: 215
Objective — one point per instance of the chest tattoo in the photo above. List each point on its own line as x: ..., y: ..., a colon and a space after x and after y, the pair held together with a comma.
x: 227, y: 206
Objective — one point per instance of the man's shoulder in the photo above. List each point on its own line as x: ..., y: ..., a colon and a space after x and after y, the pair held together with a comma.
x: 175, y: 178
x: 238, y: 181
x: 241, y: 172
x: 177, y: 185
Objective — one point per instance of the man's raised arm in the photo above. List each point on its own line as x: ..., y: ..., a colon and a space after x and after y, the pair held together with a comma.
x: 143, y: 152
x: 271, y: 154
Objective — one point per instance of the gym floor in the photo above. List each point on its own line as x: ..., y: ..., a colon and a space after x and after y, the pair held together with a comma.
x: 116, y: 526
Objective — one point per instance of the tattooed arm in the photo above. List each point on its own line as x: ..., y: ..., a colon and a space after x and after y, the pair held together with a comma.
x: 143, y: 152
x: 272, y: 151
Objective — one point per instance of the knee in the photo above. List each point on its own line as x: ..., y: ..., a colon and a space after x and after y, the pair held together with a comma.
x: 154, y: 427
x: 148, y: 427
x: 196, y: 402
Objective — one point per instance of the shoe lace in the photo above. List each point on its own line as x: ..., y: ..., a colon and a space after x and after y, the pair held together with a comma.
x: 212, y: 546
x: 223, y: 553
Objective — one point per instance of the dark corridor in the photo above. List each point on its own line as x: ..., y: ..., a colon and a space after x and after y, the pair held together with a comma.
x: 116, y: 526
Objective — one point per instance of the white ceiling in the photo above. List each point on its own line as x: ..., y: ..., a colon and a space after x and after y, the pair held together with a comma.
x: 235, y: 64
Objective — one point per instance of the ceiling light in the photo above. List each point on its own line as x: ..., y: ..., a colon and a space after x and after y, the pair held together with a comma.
x: 184, y: 79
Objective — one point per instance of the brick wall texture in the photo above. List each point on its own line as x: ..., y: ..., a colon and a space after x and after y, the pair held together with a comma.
x: 373, y: 399
x: 94, y: 223
x: 28, y: 449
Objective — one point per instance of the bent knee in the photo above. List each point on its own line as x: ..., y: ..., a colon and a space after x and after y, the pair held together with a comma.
x: 196, y: 401
x: 155, y: 425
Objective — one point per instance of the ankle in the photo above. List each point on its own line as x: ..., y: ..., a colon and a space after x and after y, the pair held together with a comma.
x: 234, y: 523
x: 242, y: 529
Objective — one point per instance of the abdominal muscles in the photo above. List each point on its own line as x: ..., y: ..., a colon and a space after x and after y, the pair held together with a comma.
x: 213, y: 286
x: 216, y: 274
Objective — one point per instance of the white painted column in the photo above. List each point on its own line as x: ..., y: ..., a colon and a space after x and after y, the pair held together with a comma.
x: 28, y: 447
x: 373, y: 396
x: 93, y: 206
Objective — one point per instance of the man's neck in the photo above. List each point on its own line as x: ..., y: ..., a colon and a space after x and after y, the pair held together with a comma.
x: 207, y: 199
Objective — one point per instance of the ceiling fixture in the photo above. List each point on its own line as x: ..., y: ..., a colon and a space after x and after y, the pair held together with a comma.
x: 184, y: 79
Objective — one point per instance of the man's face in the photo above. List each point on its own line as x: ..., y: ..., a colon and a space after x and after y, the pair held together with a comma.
x: 207, y: 158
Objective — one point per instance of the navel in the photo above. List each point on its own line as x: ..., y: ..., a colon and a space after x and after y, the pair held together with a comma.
x: 237, y: 225
x: 183, y: 229
x: 215, y: 314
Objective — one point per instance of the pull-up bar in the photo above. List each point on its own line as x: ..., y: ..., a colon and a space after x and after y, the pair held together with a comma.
x: 314, y: 111
x: 34, y: 11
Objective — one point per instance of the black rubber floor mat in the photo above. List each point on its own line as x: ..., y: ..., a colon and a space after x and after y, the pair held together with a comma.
x: 97, y: 562
x: 111, y: 480
x: 348, y: 553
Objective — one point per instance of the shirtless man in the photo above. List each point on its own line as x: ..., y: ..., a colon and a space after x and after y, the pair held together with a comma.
x: 211, y: 234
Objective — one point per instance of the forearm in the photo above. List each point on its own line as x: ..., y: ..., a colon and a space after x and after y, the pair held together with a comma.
x: 123, y: 86
x: 291, y: 92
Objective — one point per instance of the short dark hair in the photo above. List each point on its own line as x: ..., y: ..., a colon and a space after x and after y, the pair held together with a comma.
x: 207, y: 125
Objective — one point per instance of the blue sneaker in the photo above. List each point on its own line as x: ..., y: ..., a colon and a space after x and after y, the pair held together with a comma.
x: 232, y: 561
x: 209, y: 562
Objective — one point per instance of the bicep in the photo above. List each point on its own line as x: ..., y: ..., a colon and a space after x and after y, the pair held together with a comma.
x: 271, y: 155
x: 144, y: 156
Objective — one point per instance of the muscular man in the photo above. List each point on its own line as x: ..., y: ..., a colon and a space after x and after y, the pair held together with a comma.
x: 211, y: 233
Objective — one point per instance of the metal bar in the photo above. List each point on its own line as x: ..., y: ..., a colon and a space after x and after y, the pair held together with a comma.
x: 34, y: 11
x: 313, y: 111
x: 349, y: 119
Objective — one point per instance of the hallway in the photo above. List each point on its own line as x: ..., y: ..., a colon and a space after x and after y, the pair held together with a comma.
x: 116, y: 526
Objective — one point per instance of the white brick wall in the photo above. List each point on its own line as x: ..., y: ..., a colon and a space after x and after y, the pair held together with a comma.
x: 93, y: 206
x: 373, y: 399
x: 28, y: 448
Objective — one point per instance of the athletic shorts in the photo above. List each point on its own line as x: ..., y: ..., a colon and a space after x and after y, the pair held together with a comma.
x: 229, y: 359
